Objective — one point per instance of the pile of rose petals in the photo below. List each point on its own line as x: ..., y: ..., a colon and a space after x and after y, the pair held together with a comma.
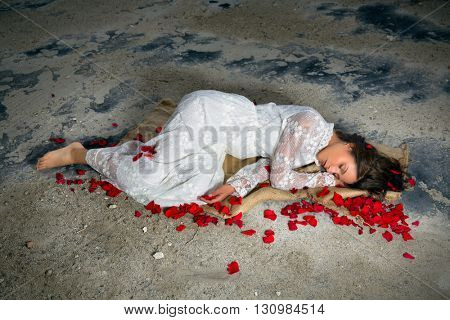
x: 374, y: 214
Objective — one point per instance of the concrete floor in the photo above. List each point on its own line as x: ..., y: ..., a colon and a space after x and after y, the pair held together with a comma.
x: 71, y: 68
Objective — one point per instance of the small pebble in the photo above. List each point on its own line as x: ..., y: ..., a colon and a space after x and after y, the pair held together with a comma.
x: 144, y: 229
x: 158, y: 255
x: 278, y: 293
x: 30, y: 244
x: 49, y: 272
x: 169, y: 244
x: 256, y: 293
x: 26, y: 192
x: 106, y: 198
x: 112, y: 206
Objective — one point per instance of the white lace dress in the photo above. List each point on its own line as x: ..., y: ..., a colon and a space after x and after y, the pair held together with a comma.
x: 207, y: 125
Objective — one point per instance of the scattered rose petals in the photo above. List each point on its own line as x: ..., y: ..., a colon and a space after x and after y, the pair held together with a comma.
x: 153, y: 207
x: 235, y: 220
x: 158, y: 129
x: 137, y: 214
x: 293, y: 190
x: 270, y: 214
x: 233, y: 267
x: 267, y: 168
x: 114, y: 124
x: 412, y: 182
x: 181, y: 227
x: 416, y: 223
x: 248, y: 232
x: 408, y: 256
x: 311, y: 220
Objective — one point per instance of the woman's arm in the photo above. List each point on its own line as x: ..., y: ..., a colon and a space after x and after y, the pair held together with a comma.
x: 249, y: 176
x: 301, y: 135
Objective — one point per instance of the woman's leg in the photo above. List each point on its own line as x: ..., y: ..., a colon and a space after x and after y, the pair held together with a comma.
x: 74, y: 153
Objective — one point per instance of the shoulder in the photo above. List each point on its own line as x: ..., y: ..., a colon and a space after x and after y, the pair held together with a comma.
x: 309, y: 117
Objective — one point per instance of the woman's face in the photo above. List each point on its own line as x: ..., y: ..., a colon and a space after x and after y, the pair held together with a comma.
x: 337, y: 159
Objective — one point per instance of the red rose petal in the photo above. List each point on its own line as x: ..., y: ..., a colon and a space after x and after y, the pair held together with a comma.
x: 248, y: 232
x: 225, y: 210
x: 406, y: 236
x: 293, y: 190
x: 180, y: 228
x: 136, y: 157
x: 58, y: 140
x: 412, y: 182
x: 387, y: 235
x: 269, y: 232
x: 137, y: 214
x: 235, y: 200
x: 139, y: 137
x: 233, y: 267
x: 114, y: 124
x: 270, y: 214
x: 337, y: 199
x: 80, y: 172
x: 268, y: 239
x: 267, y: 168
x: 394, y: 171
x: 158, y: 129
x: 408, y: 255
x: 323, y: 192
x: 416, y: 223
x: 264, y: 184
x: 292, y: 224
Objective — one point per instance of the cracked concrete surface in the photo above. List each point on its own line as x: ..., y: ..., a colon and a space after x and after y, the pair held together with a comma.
x: 70, y: 69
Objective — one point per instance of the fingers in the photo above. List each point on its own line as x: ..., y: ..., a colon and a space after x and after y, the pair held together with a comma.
x: 217, y: 198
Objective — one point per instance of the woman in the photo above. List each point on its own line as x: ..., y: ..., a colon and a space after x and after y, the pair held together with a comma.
x: 184, y: 161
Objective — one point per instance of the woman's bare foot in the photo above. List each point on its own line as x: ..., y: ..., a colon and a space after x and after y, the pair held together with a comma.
x: 58, y: 158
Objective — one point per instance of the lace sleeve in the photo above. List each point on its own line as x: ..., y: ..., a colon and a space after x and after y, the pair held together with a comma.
x: 249, y: 176
x: 302, y: 134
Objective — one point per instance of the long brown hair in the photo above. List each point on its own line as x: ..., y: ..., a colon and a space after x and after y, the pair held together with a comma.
x: 376, y: 172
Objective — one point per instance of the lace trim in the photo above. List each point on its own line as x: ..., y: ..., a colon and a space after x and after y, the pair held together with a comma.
x: 324, y: 142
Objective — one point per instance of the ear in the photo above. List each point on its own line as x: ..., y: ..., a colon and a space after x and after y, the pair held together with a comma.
x: 349, y: 145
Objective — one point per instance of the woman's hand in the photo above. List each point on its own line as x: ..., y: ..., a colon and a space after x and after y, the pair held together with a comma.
x: 219, y: 194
